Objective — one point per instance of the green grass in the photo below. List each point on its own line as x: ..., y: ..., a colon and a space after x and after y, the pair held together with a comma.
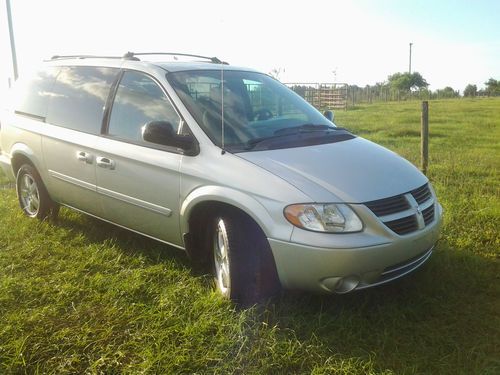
x: 83, y: 296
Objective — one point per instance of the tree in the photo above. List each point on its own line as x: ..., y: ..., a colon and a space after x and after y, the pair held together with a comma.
x: 300, y: 89
x: 470, y: 90
x: 407, y: 81
x: 492, y: 87
x: 447, y: 92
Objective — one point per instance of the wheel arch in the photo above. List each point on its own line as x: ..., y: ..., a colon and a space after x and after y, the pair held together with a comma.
x: 22, y: 154
x: 211, y: 198
x: 197, y: 213
x: 204, y: 203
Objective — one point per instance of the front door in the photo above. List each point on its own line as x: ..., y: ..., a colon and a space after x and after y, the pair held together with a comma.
x: 137, y: 181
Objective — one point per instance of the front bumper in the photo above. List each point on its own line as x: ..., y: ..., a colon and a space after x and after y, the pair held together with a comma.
x: 340, y: 268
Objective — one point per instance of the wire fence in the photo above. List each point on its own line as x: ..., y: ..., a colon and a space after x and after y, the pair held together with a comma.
x: 326, y: 96
x: 371, y: 94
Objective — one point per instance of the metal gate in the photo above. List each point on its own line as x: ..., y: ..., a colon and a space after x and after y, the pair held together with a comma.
x: 323, y: 96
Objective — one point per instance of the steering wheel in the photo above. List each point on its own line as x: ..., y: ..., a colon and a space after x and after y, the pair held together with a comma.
x: 262, y: 114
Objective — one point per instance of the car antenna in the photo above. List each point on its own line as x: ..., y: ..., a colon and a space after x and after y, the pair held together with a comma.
x: 222, y: 106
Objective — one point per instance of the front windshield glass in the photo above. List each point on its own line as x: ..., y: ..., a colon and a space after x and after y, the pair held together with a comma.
x: 256, y: 107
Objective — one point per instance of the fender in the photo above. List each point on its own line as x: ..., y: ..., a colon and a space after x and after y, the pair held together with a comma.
x: 25, y: 150
x: 246, y: 203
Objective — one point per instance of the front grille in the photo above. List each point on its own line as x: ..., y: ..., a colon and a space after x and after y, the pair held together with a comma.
x: 421, y: 194
x: 428, y: 214
x: 388, y: 206
x: 399, y: 203
x: 404, y: 225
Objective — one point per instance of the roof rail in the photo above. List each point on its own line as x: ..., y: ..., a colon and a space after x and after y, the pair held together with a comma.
x: 61, y: 57
x: 132, y: 55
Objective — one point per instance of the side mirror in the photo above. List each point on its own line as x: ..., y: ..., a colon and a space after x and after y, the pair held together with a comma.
x: 329, y: 115
x: 162, y: 133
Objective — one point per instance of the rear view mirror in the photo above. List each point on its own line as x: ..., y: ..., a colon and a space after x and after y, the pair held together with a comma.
x: 329, y: 115
x: 162, y: 133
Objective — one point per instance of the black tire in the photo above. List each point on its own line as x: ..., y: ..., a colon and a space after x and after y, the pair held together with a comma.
x: 32, y: 194
x: 252, y: 275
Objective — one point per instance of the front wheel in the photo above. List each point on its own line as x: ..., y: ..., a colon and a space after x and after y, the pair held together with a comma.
x: 244, y: 268
x: 222, y: 259
x: 32, y: 194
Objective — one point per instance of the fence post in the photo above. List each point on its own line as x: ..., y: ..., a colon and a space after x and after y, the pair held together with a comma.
x: 424, y: 136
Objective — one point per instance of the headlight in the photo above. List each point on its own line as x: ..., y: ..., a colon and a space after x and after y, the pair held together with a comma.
x: 332, y: 218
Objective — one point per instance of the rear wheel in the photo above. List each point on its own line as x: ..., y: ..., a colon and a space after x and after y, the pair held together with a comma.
x: 244, y: 268
x: 32, y: 194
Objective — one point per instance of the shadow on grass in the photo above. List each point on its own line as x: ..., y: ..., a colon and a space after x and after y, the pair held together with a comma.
x: 436, y: 320
x: 96, y: 231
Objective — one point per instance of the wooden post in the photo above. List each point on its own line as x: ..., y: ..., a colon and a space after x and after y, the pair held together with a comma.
x: 424, y: 136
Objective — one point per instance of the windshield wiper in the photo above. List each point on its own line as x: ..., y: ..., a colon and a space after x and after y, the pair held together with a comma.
x: 305, y: 128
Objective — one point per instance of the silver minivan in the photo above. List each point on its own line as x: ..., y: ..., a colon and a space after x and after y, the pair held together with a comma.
x: 223, y: 162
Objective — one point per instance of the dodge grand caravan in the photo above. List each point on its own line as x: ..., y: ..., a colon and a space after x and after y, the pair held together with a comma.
x: 223, y: 162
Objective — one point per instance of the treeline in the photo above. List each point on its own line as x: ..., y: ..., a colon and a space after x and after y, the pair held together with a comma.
x: 405, y: 86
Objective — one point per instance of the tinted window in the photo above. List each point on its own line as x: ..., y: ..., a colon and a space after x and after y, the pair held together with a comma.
x: 254, y: 107
x: 263, y: 100
x: 138, y: 101
x: 32, y: 94
x: 78, y: 97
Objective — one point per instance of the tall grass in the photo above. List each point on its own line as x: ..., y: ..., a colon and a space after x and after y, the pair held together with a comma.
x: 83, y: 296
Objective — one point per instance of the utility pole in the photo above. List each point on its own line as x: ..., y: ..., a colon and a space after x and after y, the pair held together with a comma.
x: 424, y: 137
x: 409, y: 67
x: 12, y: 44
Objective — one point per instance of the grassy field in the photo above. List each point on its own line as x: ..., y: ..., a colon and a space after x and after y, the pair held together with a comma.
x: 81, y: 296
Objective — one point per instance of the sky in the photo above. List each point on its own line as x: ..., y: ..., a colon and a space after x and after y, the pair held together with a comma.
x: 356, y: 42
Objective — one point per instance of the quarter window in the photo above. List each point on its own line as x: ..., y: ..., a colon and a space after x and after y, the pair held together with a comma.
x: 32, y: 94
x: 139, y: 100
x: 78, y: 98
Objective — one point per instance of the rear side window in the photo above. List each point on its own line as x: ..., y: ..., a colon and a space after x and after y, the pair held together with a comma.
x: 138, y: 101
x: 78, y: 97
x: 32, y: 93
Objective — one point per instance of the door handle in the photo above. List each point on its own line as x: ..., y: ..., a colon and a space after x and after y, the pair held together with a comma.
x: 105, y: 163
x: 84, y: 156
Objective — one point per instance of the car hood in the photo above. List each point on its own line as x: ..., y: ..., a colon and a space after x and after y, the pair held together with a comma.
x: 352, y: 171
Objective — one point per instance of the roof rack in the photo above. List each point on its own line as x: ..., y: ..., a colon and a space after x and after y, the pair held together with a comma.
x: 132, y: 55
x: 60, y: 57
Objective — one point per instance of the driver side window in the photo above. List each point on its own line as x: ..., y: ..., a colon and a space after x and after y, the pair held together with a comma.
x: 260, y: 99
x: 139, y: 100
x: 267, y: 104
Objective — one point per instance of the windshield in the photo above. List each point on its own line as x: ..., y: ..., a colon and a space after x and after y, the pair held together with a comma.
x: 256, y: 107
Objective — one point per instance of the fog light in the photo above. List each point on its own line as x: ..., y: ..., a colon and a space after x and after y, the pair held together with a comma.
x: 346, y: 284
